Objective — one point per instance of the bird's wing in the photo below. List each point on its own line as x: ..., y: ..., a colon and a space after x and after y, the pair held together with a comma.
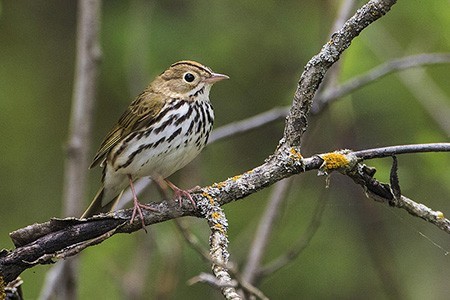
x: 141, y: 112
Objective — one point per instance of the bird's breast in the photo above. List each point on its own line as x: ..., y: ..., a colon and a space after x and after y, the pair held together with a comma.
x: 174, y: 138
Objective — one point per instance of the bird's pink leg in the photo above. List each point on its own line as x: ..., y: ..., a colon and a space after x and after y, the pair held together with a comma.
x: 137, y: 205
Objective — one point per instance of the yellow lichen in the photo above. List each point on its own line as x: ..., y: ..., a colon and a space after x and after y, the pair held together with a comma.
x: 295, y: 154
x: 2, y: 289
x: 236, y: 178
x: 219, y: 227
x: 219, y: 185
x: 335, y: 160
x: 215, y: 215
x: 440, y: 215
x: 211, y: 199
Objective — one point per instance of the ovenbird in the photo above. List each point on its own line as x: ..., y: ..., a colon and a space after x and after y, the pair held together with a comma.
x: 161, y: 131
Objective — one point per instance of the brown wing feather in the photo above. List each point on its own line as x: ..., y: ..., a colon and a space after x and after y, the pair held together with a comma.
x: 142, y: 110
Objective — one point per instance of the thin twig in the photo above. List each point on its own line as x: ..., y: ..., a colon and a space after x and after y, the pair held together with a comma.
x: 395, y: 65
x: 264, y: 230
x: 257, y: 121
x: 192, y: 240
x: 300, y: 245
x: 331, y: 94
x: 403, y: 149
x: 422, y: 86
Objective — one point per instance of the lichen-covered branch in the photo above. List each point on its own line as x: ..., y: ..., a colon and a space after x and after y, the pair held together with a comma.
x: 46, y: 242
x: 318, y: 66
x: 330, y: 94
x: 218, y: 242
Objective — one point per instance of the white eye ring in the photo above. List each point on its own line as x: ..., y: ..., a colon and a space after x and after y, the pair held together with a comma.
x: 188, y: 77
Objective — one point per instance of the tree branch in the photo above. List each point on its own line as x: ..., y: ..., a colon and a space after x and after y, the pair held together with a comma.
x: 43, y: 243
x: 404, y: 149
x: 83, y: 99
x: 61, y: 279
x: 317, y: 67
x: 298, y: 246
x: 395, y: 65
x: 263, y: 233
x: 218, y: 242
x: 331, y: 94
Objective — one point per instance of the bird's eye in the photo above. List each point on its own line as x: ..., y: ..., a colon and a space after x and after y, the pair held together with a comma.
x: 189, y: 77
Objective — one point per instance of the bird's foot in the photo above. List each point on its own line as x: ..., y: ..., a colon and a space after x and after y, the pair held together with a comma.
x: 180, y: 193
x: 137, y: 210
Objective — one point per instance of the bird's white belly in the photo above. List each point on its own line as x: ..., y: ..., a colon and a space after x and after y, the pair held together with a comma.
x: 162, y: 163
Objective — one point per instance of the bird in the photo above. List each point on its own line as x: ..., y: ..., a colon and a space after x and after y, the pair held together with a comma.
x: 161, y: 131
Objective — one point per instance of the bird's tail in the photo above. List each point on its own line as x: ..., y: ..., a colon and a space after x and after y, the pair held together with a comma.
x: 102, y: 203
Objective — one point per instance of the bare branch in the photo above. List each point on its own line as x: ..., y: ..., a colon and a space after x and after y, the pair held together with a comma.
x: 363, y: 175
x: 404, y: 149
x: 331, y: 94
x: 62, y: 279
x: 257, y: 121
x: 432, y: 98
x: 252, y: 269
x: 218, y: 242
x: 84, y: 92
x: 263, y: 233
x: 56, y: 239
x: 395, y: 65
x: 317, y: 67
x: 299, y: 246
x: 382, y: 192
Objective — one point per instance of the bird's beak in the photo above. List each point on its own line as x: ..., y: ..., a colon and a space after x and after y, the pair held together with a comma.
x: 216, y: 77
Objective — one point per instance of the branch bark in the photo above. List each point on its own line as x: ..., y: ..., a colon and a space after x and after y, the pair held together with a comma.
x: 333, y: 93
x: 316, y: 68
x: 83, y: 99
x: 60, y: 238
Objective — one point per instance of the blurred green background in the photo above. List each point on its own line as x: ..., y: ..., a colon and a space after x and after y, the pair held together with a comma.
x: 362, y: 248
